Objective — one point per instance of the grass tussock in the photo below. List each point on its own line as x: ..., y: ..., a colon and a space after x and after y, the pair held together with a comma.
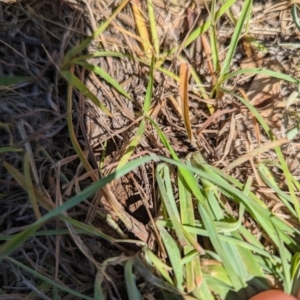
x: 149, y: 149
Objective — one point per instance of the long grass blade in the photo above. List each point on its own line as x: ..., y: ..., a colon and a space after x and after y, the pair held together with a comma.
x: 29, y: 187
x: 153, y: 27
x: 74, y: 81
x: 174, y: 256
x: 142, y: 27
x: 83, y: 45
x: 20, y: 238
x: 130, y: 280
x: 7, y: 81
x: 10, y: 149
x: 105, y: 76
x: 50, y: 281
x: 183, y: 92
x: 165, y: 189
x: 245, y: 13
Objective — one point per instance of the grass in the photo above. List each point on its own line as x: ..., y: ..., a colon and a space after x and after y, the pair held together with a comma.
x: 213, y: 235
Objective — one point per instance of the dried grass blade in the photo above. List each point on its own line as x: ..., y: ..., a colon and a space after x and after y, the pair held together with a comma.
x: 183, y: 92
x: 30, y: 188
x: 50, y: 281
x: 19, y: 177
x: 21, y: 237
x: 255, y: 152
x: 288, y: 176
x: 153, y: 27
x: 141, y: 27
x: 138, y: 229
x: 256, y: 71
x: 229, y: 140
x: 203, y: 28
x: 80, y: 244
x: 78, y: 49
x: 29, y: 151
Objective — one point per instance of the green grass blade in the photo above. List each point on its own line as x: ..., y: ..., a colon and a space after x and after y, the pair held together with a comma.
x: 149, y: 91
x: 246, y: 10
x: 294, y: 11
x: 270, y: 181
x: 139, y: 134
x: 259, y: 213
x: 149, y: 277
x: 214, y: 40
x: 165, y: 189
x: 186, y: 174
x: 187, y: 218
x: 132, y: 290
x: 10, y: 149
x: 133, y: 144
x: 79, y: 85
x: 257, y: 71
x: 222, y: 248
x: 98, y: 291
x: 105, y: 76
x: 50, y: 281
x: 224, y: 8
x: 203, y: 290
x: 83, y: 45
x: 201, y: 29
x: 285, y: 261
x: 157, y: 263
x: 20, y: 238
x: 6, y: 81
x: 288, y: 176
x: 295, y: 273
x: 173, y: 255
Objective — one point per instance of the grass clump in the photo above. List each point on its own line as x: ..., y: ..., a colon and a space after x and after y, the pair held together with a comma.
x: 194, y: 191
